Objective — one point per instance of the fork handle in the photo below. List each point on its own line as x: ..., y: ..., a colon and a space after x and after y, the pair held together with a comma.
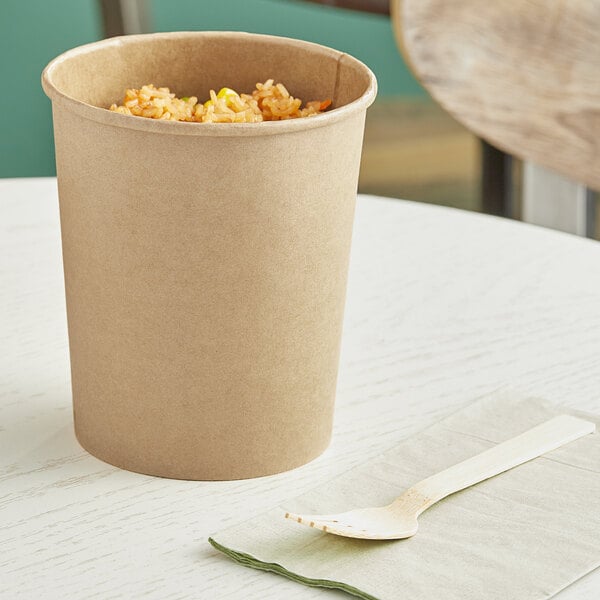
x: 524, y: 447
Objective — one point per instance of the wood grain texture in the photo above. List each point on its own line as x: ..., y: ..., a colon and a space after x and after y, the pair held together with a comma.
x: 443, y: 307
x: 522, y: 74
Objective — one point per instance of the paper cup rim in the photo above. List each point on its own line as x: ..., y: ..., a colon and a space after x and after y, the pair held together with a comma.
x: 102, y: 115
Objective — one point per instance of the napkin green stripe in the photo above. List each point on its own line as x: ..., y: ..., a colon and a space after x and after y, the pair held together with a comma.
x: 254, y: 563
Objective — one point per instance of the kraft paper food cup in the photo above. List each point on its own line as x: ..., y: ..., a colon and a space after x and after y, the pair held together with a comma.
x: 205, y: 264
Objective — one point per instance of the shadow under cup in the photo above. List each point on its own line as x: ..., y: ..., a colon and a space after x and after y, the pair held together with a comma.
x: 205, y: 263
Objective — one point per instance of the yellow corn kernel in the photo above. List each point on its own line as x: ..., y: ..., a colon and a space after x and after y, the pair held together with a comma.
x: 230, y: 96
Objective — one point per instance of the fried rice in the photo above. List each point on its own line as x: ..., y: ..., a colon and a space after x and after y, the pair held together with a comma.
x: 269, y: 101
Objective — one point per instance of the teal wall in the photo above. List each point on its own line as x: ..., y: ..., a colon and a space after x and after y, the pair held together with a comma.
x: 32, y: 32
x: 368, y: 37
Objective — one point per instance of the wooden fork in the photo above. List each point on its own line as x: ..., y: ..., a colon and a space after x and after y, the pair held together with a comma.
x: 399, y: 519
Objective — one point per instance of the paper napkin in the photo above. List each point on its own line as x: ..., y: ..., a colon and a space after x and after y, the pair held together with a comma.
x: 525, y: 534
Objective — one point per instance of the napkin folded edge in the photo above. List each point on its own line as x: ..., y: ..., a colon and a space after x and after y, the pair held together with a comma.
x: 250, y: 561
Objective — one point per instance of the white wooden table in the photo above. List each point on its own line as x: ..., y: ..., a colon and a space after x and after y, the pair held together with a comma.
x: 443, y: 307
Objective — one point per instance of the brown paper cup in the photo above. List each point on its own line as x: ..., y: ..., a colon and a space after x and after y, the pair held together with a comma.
x: 205, y: 264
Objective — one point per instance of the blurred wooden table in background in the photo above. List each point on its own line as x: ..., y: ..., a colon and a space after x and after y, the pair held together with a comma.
x: 413, y: 149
